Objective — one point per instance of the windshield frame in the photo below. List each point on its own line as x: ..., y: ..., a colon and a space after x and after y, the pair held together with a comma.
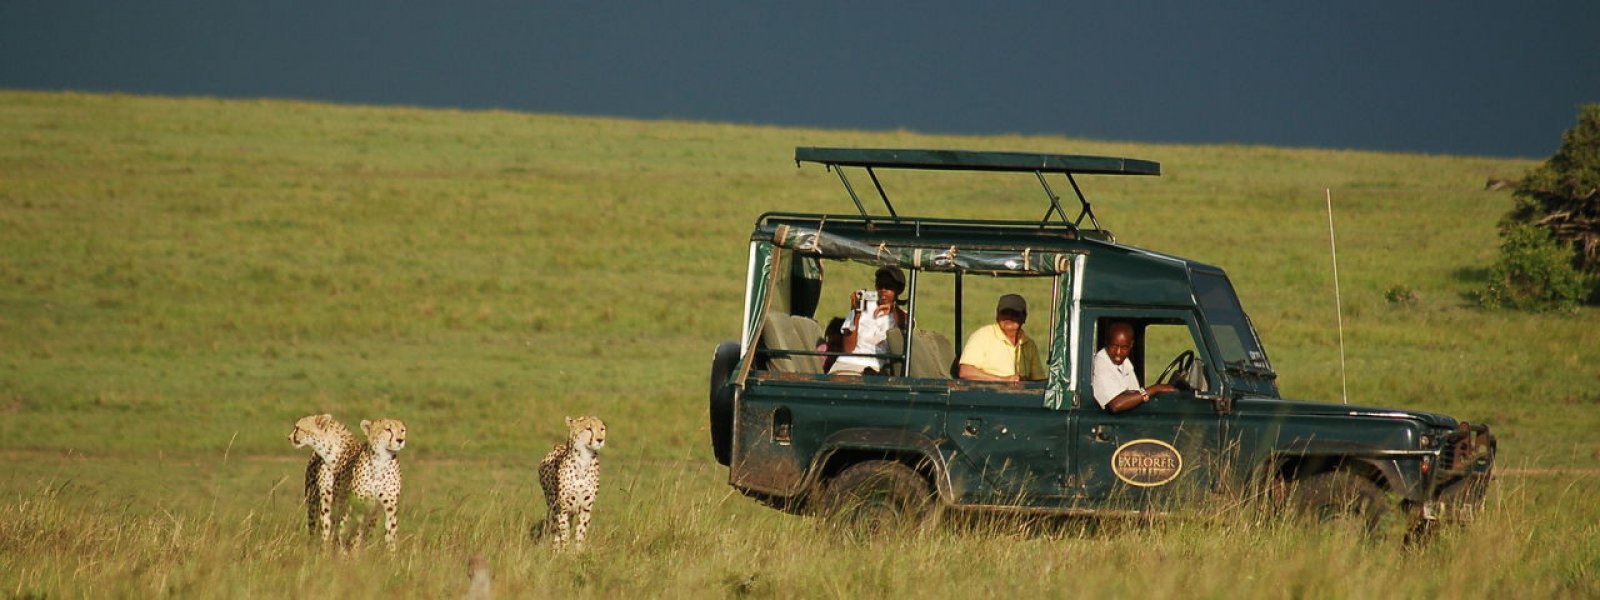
x: 1233, y: 334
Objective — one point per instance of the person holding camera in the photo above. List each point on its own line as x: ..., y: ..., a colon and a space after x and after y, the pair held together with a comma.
x: 866, y: 328
x: 1001, y: 351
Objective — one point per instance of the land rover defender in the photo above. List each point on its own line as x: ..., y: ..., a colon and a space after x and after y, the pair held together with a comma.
x: 913, y: 438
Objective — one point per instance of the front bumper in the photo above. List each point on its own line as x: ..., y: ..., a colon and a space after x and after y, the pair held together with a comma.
x: 1461, y: 474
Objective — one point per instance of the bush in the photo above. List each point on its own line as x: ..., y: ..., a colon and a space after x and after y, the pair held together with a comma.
x: 1402, y: 296
x: 1562, y: 196
x: 1534, y: 272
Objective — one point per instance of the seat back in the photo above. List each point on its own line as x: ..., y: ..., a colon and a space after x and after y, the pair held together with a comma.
x: 784, y: 332
x: 777, y: 333
x: 808, y: 335
x: 931, y: 355
x: 897, y: 346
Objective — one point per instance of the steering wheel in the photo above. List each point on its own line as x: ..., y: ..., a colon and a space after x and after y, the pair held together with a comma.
x: 1177, y: 371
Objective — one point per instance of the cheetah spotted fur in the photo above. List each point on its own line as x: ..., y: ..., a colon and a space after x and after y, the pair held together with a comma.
x: 334, y: 449
x: 570, y: 476
x: 373, y: 481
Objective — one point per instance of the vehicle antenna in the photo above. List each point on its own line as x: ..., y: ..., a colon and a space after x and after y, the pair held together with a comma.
x: 1338, y: 308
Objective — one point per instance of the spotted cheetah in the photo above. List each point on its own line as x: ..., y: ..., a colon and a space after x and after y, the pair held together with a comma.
x: 373, y: 480
x: 334, y: 449
x: 570, y: 476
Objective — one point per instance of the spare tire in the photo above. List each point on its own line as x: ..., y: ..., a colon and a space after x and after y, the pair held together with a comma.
x: 723, y: 362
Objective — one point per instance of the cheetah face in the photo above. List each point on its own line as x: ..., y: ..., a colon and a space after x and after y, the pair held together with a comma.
x: 308, y: 428
x: 385, y: 434
x: 587, y: 432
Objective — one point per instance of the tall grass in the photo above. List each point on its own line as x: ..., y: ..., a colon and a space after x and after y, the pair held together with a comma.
x: 182, y: 278
x: 671, y: 529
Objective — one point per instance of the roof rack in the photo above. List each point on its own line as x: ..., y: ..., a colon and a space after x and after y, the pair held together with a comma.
x: 1039, y: 164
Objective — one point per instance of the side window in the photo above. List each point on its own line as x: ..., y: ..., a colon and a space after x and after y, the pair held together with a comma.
x: 820, y: 334
x: 981, y: 296
x: 1158, y: 342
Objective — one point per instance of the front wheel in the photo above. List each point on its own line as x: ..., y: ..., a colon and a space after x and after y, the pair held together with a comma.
x: 876, y: 497
x: 1341, y: 495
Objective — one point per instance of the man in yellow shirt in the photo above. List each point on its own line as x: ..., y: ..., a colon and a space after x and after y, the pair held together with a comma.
x: 1001, y: 351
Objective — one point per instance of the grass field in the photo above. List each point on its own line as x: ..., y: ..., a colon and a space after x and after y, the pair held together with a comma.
x: 180, y: 279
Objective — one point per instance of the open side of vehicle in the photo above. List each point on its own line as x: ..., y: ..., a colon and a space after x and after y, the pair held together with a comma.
x: 913, y: 437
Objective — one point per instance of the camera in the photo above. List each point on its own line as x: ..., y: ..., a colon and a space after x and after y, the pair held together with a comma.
x: 866, y: 299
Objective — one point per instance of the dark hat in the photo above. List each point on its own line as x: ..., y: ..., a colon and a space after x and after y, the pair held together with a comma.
x: 1013, y: 303
x: 890, y: 278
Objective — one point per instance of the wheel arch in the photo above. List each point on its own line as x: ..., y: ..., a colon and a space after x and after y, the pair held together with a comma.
x: 1290, y: 467
x: 853, y: 446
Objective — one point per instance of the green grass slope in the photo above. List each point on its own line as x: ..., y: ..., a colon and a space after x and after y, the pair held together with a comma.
x: 180, y: 279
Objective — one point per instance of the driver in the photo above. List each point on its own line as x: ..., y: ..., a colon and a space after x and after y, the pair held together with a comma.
x: 1116, y: 387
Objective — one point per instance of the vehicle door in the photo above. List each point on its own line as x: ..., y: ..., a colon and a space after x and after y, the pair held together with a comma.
x: 1015, y: 444
x: 1163, y: 449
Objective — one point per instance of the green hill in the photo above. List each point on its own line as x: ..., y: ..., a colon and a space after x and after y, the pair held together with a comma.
x: 186, y: 277
x: 238, y: 263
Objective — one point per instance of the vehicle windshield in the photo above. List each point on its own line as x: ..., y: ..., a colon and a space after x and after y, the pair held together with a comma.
x: 1230, y: 327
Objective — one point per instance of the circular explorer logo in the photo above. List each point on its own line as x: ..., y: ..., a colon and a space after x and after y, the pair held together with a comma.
x: 1146, y: 463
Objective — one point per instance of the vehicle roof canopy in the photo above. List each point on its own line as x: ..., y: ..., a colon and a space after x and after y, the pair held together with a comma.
x: 1039, y: 164
x: 966, y: 160
x: 1004, y: 248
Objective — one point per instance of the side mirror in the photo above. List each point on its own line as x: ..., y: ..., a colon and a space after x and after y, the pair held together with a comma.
x: 1196, y: 378
x: 1201, y: 384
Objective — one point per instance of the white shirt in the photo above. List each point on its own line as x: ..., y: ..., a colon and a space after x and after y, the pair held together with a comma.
x: 1110, y: 379
x: 872, y: 337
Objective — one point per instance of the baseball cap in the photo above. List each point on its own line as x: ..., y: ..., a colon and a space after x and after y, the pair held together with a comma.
x: 1013, y: 303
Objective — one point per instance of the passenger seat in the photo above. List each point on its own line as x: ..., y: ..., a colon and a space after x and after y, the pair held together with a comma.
x: 809, y: 333
x: 783, y: 331
x: 932, y: 356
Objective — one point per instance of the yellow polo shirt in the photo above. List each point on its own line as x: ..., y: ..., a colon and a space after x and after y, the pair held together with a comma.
x: 989, y: 349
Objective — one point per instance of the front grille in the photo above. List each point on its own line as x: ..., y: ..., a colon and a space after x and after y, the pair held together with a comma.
x: 1468, y: 448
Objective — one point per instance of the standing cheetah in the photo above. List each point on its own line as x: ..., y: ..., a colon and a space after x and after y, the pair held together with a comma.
x: 373, y: 480
x: 570, y: 476
x: 334, y: 450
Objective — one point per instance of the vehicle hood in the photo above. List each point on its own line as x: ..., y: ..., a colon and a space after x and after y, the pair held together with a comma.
x: 1276, y: 406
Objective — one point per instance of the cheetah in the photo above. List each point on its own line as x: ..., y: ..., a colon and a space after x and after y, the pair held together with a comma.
x: 373, y: 480
x: 570, y: 476
x: 334, y: 449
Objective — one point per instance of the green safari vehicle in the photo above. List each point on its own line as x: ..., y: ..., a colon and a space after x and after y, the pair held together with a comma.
x: 912, y: 439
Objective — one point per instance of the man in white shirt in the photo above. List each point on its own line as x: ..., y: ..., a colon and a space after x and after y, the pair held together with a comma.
x: 866, y: 331
x: 1116, y: 387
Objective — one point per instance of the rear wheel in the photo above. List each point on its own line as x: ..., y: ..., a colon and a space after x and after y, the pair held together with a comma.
x: 723, y: 361
x: 876, y: 497
x: 1341, y: 496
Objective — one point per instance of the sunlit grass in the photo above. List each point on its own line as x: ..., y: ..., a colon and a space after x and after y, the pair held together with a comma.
x: 182, y: 278
x: 670, y: 528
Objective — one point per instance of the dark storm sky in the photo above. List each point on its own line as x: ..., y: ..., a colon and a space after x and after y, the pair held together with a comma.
x: 1496, y: 79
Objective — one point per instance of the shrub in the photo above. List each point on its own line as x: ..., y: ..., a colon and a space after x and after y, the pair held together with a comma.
x: 1402, y: 296
x: 1562, y: 196
x: 1533, y: 272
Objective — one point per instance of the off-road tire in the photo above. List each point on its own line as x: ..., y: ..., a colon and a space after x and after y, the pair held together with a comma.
x: 876, y: 497
x: 1338, y: 495
x: 723, y: 361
